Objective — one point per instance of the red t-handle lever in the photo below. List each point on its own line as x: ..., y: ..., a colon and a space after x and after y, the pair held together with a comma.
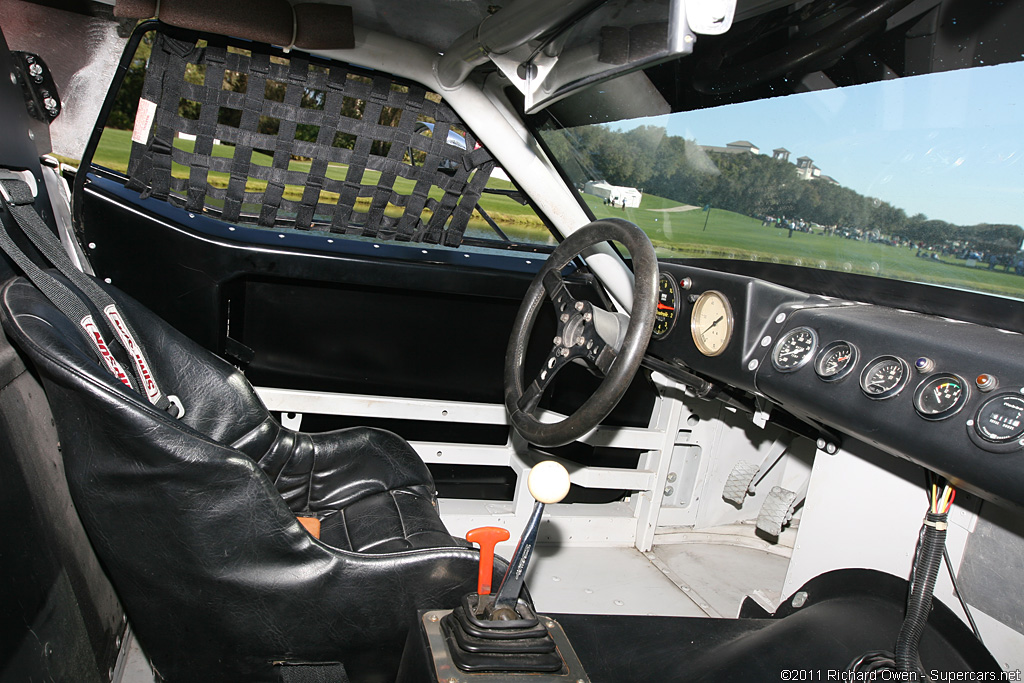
x: 487, y: 537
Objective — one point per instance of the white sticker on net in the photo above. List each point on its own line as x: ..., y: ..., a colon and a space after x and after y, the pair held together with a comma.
x: 143, y: 121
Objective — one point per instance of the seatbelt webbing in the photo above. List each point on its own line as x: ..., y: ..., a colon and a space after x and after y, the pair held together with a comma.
x: 17, y: 198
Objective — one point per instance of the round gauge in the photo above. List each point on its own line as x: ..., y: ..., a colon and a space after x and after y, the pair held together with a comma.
x: 940, y: 396
x: 835, y: 361
x: 794, y: 349
x: 711, y: 323
x: 1000, y: 419
x: 665, y: 315
x: 884, y: 377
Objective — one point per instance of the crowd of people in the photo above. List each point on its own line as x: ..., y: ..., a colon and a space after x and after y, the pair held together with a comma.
x: 1009, y: 262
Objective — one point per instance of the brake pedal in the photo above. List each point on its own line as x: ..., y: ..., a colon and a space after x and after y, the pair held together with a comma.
x: 740, y: 482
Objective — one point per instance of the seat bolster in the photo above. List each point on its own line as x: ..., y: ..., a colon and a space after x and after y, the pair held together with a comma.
x: 285, y: 456
x: 352, y: 463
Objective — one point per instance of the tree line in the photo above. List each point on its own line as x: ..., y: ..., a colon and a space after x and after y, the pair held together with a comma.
x: 752, y: 184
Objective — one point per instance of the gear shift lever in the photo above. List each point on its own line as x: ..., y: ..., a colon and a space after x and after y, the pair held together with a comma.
x: 548, y: 483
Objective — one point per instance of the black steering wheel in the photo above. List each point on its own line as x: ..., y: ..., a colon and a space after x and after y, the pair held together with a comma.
x: 603, y: 340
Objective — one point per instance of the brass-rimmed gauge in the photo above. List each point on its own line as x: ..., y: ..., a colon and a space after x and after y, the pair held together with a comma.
x: 668, y: 301
x: 711, y: 323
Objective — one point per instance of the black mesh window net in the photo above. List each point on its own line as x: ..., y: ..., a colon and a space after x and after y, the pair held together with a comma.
x: 256, y: 136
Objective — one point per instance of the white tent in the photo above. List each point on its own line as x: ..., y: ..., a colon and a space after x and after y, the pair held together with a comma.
x: 615, y: 194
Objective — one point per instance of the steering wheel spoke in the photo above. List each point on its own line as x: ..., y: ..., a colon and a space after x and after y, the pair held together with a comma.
x: 605, y: 358
x: 556, y: 290
x: 556, y: 360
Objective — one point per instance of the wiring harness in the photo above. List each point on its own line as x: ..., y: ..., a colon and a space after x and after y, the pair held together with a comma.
x: 931, y: 548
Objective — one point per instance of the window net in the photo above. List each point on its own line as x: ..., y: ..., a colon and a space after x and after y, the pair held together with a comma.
x: 255, y: 136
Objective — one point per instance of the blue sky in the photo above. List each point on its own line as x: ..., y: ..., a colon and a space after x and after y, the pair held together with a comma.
x: 948, y: 145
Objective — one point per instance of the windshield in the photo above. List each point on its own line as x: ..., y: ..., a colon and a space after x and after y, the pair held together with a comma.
x: 917, y: 178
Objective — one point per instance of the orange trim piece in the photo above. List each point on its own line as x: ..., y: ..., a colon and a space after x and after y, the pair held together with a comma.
x: 311, y: 524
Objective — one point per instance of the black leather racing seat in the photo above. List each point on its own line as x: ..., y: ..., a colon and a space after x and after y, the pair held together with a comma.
x: 195, y: 522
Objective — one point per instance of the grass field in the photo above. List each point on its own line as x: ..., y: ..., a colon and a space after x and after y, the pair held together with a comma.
x: 731, y: 235
x: 675, y: 234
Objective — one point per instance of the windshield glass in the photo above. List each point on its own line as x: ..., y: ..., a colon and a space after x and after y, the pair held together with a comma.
x: 917, y: 178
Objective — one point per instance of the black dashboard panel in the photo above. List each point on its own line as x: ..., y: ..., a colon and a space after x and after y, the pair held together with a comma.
x: 755, y: 304
x: 944, y: 441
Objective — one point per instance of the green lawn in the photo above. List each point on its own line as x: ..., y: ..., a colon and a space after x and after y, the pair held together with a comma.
x: 690, y: 233
x: 732, y: 235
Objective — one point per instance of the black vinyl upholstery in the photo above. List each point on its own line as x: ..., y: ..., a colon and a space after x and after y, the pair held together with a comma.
x: 194, y: 519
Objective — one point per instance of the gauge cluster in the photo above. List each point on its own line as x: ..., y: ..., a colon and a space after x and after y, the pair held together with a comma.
x: 944, y: 393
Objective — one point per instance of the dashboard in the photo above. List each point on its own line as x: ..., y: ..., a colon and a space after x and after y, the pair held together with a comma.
x: 946, y: 394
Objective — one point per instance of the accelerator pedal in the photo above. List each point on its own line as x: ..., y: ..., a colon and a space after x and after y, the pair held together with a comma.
x: 778, y: 508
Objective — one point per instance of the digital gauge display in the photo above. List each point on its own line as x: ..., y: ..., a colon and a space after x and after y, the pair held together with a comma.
x: 884, y: 377
x: 668, y: 300
x: 940, y: 396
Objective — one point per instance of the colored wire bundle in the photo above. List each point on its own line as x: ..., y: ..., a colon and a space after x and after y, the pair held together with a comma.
x: 941, y: 502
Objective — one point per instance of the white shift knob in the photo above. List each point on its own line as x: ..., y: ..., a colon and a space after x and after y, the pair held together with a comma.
x: 548, y: 482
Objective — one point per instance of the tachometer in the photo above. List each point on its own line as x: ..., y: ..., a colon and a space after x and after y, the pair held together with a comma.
x: 835, y: 361
x: 884, y: 377
x: 711, y: 323
x: 668, y: 297
x: 794, y: 349
x: 940, y: 396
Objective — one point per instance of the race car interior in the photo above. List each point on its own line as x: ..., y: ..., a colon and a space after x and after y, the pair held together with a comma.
x: 455, y: 341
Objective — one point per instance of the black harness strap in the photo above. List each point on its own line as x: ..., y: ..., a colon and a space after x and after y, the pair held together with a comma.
x: 17, y: 198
